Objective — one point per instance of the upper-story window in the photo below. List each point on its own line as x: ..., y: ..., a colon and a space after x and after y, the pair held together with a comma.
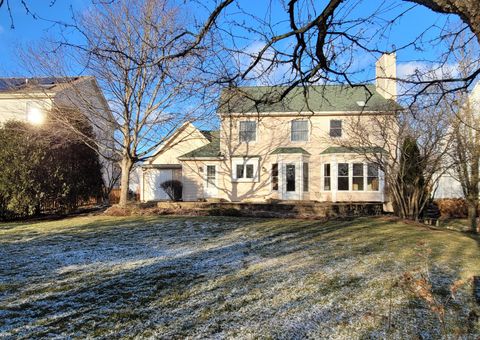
x: 299, y: 131
x: 335, y: 128
x: 248, y: 131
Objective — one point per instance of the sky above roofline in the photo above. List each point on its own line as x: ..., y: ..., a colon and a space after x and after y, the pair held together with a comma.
x: 28, y: 31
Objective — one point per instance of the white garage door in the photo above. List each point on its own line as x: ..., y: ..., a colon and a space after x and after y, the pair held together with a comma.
x: 152, y: 180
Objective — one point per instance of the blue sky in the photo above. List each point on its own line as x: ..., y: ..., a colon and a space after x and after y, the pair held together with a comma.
x: 29, y: 30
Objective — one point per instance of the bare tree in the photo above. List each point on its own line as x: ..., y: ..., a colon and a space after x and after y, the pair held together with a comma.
x: 465, y: 152
x: 148, y: 100
x: 408, y: 148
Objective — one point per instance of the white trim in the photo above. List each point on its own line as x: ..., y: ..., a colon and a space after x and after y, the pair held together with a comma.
x: 244, y: 161
x: 308, y: 131
x: 215, y: 185
x: 307, y: 113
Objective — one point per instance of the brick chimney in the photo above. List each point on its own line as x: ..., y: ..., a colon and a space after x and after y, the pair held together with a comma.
x: 385, y: 70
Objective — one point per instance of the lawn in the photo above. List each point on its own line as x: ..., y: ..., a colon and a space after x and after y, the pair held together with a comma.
x: 220, y: 277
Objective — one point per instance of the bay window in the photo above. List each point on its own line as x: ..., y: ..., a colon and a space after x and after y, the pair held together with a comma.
x: 343, y: 177
x: 305, y: 177
x: 326, y: 177
x: 357, y: 179
x: 372, y: 177
x: 275, y: 176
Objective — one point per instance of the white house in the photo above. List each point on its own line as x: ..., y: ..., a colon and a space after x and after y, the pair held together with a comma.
x: 285, y: 151
x: 32, y: 99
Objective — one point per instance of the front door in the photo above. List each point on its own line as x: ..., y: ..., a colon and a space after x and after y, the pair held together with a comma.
x: 291, y: 186
x: 211, y: 188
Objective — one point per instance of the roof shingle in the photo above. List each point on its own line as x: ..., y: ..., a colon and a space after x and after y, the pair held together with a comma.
x: 318, y: 98
x: 210, y: 150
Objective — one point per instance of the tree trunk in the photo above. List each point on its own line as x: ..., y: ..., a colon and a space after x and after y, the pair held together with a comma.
x: 472, y: 214
x: 126, y: 165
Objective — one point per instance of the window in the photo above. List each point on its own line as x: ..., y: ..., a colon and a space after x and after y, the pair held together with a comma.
x: 249, y: 172
x: 343, y: 176
x: 335, y: 128
x: 240, y: 168
x: 275, y: 176
x: 290, y: 177
x: 211, y: 175
x: 245, y: 171
x: 326, y: 177
x: 248, y: 131
x: 372, y: 177
x: 305, y: 177
x: 357, y: 180
x: 299, y: 131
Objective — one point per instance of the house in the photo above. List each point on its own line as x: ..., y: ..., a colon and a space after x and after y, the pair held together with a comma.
x: 447, y: 184
x: 32, y: 99
x: 284, y: 150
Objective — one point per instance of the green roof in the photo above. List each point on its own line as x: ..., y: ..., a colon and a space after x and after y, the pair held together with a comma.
x: 289, y: 150
x: 358, y: 149
x: 318, y: 98
x: 210, y: 150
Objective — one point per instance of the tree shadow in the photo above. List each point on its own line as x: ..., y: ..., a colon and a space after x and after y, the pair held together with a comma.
x: 207, y: 277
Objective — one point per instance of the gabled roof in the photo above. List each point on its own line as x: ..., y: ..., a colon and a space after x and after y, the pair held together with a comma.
x: 210, y: 150
x: 175, y: 134
x: 358, y: 149
x: 318, y: 98
x: 287, y: 150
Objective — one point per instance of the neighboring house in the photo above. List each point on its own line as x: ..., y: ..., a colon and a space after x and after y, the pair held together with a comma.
x: 448, y: 185
x: 32, y: 99
x: 286, y: 150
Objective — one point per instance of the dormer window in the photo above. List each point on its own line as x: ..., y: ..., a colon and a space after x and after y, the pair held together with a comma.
x: 299, y: 131
x: 248, y: 131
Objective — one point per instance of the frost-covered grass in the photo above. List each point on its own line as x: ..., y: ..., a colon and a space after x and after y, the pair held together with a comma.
x: 174, y: 277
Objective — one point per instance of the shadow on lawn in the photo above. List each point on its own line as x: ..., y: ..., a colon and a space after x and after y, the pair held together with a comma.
x: 270, y: 276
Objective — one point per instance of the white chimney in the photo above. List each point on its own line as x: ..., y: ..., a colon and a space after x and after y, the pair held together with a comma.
x: 386, y: 72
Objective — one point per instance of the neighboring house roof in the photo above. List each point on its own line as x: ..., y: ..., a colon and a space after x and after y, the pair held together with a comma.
x: 318, y: 98
x: 210, y: 150
x: 344, y: 149
x: 286, y: 150
x: 24, y: 85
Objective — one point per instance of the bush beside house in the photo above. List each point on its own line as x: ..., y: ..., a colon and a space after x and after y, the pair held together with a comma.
x: 45, y: 171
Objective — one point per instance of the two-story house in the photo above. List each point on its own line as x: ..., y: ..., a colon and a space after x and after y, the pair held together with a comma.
x: 278, y: 149
x: 32, y: 100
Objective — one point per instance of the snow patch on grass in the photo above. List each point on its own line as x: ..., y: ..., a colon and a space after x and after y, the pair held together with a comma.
x: 220, y: 278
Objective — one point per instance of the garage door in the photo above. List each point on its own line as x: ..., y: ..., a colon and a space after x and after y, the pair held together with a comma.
x: 163, y: 176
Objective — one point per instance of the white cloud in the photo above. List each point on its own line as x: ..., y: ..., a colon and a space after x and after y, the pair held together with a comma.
x: 421, y: 70
x: 267, y: 71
